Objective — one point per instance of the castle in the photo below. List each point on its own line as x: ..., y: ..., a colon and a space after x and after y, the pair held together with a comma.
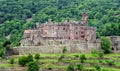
x: 69, y: 33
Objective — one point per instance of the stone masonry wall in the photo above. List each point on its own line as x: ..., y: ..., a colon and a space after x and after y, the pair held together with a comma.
x: 71, y: 48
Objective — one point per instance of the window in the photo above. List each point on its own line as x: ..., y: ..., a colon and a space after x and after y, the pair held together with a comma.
x: 76, y: 33
x: 69, y: 37
x: 63, y: 28
x: 76, y: 37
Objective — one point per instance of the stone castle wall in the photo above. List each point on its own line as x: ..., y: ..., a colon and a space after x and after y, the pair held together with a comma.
x: 71, y: 48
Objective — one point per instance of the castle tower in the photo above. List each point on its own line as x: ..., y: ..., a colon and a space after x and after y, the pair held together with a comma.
x: 85, y: 19
x: 84, y: 27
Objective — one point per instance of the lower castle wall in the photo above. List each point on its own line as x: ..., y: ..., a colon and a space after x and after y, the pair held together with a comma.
x: 71, y: 48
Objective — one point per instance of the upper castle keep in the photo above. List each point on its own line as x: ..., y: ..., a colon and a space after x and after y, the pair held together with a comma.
x: 75, y: 35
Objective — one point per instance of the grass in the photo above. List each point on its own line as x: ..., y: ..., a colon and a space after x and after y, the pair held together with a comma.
x: 5, y: 65
x: 51, y: 61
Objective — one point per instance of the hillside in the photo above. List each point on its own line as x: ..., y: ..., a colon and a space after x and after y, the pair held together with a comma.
x: 67, y: 62
x: 14, y: 15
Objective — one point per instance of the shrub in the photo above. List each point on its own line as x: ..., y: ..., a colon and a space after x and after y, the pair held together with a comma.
x: 101, y: 54
x: 80, y: 67
x: 29, y: 58
x: 70, y: 67
x: 61, y: 57
x: 64, y: 49
x: 98, y: 68
x: 106, y: 45
x: 8, y: 48
x: 22, y: 60
x: 110, y: 62
x: 100, y: 61
x: 7, y: 44
x: 37, y: 57
x: 94, y: 52
x: 82, y: 58
x: 76, y: 56
x: 33, y: 66
x: 12, y: 60
x: 2, y: 54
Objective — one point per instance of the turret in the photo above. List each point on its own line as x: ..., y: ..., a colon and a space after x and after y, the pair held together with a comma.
x: 85, y: 19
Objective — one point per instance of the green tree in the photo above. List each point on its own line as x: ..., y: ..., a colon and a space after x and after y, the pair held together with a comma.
x: 70, y: 67
x: 12, y: 60
x: 94, y: 52
x: 6, y: 43
x: 29, y: 58
x: 64, y: 49
x: 80, y: 67
x: 33, y: 66
x: 101, y: 54
x: 106, y: 44
x: 60, y: 58
x: 98, y: 68
x: 37, y: 57
x: 22, y: 60
x: 82, y: 58
x: 2, y: 54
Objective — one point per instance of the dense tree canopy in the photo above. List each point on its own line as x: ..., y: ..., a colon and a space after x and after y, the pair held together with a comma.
x: 15, y: 15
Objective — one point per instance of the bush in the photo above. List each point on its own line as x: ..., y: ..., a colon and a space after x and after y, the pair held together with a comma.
x: 101, y: 54
x: 61, y: 57
x: 94, y: 52
x: 70, y: 67
x: 12, y: 60
x: 80, y: 67
x: 37, y: 57
x: 6, y: 43
x: 110, y: 62
x: 100, y: 61
x: 2, y: 54
x: 106, y: 45
x: 76, y: 56
x: 64, y: 49
x: 29, y: 58
x: 33, y: 66
x: 98, y: 68
x: 82, y: 58
x: 23, y: 60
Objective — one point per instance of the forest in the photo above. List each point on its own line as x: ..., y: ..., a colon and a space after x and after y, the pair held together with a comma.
x: 18, y: 15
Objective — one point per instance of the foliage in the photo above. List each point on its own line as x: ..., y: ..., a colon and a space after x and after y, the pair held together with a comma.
x: 94, y: 52
x: 33, y: 66
x: 76, y: 56
x: 103, y: 14
x: 82, y: 58
x: 98, y: 68
x: 2, y: 54
x: 64, y: 49
x: 70, y: 67
x: 110, y: 62
x: 6, y: 43
x: 29, y: 58
x: 80, y: 67
x: 60, y: 58
x: 37, y: 57
x: 106, y: 44
x: 22, y: 60
x: 12, y: 60
x: 101, y: 54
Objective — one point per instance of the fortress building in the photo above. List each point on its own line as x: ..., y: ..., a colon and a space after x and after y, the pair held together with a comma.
x: 66, y: 33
